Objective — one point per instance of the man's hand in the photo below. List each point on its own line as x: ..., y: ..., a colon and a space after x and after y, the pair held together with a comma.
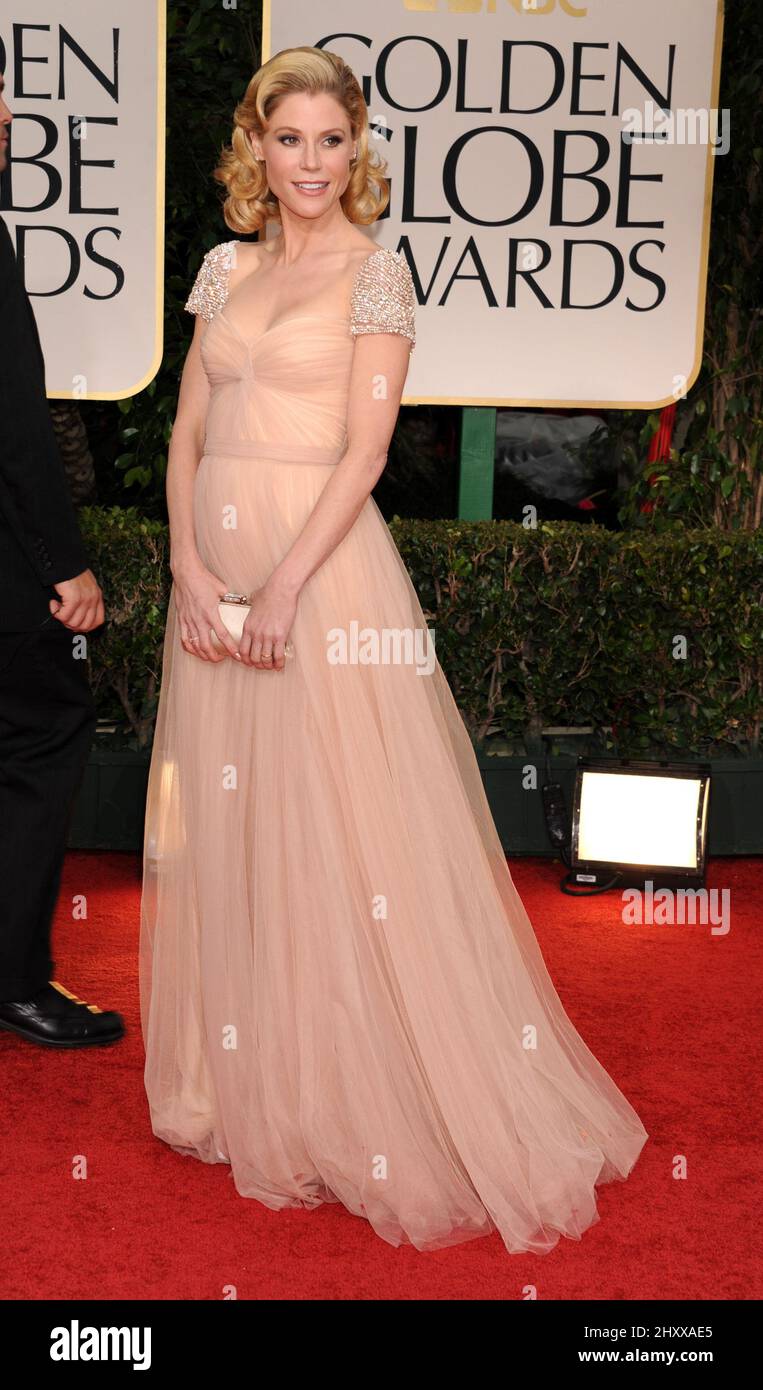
x: 81, y: 602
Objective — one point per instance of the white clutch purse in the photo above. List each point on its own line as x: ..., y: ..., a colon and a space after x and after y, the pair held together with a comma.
x: 234, y: 610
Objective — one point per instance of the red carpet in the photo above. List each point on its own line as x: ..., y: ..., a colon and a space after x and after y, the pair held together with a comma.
x: 671, y: 1012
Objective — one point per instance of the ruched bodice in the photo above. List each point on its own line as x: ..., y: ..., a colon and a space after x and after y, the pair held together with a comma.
x: 287, y: 386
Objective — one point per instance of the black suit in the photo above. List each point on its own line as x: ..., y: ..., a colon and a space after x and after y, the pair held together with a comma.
x: 47, y: 712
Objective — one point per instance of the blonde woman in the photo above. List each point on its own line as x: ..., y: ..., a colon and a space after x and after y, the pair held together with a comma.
x: 342, y: 995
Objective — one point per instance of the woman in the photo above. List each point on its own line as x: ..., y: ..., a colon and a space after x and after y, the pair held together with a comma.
x: 342, y: 995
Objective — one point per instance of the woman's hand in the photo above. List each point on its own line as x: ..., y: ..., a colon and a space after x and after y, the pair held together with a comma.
x: 267, y: 626
x: 197, y: 594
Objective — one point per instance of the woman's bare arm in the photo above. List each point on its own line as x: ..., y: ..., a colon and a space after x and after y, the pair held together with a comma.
x: 197, y: 590
x: 187, y: 440
x: 185, y: 451
x: 379, y: 370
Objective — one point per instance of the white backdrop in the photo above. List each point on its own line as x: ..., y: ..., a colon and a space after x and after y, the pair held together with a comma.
x: 85, y: 185
x: 480, y: 185
x: 440, y: 77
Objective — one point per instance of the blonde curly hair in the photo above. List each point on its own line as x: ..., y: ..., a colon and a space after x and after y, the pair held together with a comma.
x: 250, y: 203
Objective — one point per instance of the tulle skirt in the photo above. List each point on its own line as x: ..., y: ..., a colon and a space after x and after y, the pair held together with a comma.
x: 342, y: 996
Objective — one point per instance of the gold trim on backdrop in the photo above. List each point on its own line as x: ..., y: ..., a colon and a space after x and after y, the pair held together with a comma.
x: 161, y: 140
x: 266, y: 32
x: 703, y: 269
x: 704, y: 253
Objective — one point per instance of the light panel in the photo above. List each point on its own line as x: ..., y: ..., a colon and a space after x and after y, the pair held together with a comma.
x: 626, y: 818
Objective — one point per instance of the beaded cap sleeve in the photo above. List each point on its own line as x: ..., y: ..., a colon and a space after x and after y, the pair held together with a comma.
x: 383, y: 296
x: 210, y: 289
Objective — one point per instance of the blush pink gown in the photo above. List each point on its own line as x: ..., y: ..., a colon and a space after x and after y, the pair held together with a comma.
x: 342, y: 996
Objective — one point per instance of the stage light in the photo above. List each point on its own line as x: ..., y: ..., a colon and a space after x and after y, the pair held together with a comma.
x: 634, y: 820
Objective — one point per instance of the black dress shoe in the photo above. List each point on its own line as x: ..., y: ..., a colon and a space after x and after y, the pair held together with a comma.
x: 56, y: 1018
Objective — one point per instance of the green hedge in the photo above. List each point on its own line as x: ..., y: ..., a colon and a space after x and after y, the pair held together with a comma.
x: 129, y: 554
x: 565, y: 625
x: 576, y: 625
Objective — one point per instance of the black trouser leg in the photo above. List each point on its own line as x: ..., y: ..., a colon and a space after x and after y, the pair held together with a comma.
x: 47, y: 717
